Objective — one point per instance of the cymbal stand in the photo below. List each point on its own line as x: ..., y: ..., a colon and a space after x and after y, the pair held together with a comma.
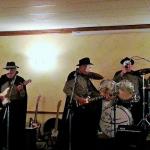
x: 144, y: 120
x: 114, y: 109
x: 114, y: 117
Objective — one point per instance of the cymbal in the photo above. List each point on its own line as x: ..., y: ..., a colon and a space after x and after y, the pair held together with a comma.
x: 95, y: 76
x: 142, y: 71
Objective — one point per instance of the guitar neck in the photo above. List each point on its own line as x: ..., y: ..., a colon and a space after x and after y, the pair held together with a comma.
x: 56, y: 121
x: 36, y: 110
x: 57, y: 115
x: 95, y: 98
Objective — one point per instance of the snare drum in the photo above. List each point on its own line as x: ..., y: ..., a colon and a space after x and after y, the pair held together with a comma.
x: 109, y: 123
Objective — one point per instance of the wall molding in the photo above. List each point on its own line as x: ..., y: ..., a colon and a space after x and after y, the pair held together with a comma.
x: 79, y: 29
x: 43, y: 112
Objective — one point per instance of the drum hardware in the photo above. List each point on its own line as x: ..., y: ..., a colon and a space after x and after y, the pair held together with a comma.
x: 114, y: 120
x: 144, y: 122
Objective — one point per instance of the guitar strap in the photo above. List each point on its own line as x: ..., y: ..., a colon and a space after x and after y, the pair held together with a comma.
x: 11, y: 86
x: 91, y: 87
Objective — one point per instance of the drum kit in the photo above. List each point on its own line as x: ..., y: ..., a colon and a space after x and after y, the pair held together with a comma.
x: 115, y: 115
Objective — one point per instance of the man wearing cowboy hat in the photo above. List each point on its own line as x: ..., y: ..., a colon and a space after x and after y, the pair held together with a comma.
x: 16, y: 100
x: 127, y: 75
x: 85, y: 115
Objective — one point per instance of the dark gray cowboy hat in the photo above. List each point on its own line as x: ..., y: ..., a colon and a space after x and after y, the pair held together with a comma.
x: 84, y: 61
x: 11, y: 65
x: 127, y: 59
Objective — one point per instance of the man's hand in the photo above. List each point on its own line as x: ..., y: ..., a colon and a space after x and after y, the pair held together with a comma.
x: 1, y: 98
x: 82, y: 101
x: 19, y: 87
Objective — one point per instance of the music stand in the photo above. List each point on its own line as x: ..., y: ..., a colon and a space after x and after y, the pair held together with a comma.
x: 144, y: 120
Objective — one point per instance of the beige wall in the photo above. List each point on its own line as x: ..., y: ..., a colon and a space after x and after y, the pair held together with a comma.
x: 105, y: 51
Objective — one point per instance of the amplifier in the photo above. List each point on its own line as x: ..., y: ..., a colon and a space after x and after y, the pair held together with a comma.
x: 130, y: 134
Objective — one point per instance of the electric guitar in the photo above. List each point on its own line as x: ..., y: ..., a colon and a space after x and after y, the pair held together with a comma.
x: 5, y: 93
x: 89, y: 100
x: 54, y: 132
x: 33, y: 122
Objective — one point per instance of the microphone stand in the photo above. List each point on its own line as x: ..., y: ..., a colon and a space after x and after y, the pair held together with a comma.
x: 7, y: 114
x: 70, y: 113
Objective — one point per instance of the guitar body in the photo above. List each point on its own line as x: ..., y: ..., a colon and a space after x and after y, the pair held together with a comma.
x: 53, y: 127
x: 49, y: 130
x: 54, y: 133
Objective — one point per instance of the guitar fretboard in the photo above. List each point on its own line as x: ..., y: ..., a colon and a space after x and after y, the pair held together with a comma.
x: 96, y: 98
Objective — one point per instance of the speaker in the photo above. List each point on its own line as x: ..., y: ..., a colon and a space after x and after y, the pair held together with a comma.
x: 30, y: 139
x: 130, y: 135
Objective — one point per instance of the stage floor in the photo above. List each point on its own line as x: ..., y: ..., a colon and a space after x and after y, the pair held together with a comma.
x: 124, y: 143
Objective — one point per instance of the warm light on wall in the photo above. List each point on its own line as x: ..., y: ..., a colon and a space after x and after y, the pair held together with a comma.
x: 42, y: 57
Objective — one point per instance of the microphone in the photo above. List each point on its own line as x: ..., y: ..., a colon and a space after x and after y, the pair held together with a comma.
x: 126, y: 64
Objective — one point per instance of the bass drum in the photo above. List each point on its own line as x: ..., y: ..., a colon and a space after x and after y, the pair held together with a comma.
x: 109, y: 123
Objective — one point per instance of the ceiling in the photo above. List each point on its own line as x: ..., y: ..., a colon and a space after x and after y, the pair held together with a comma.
x: 16, y: 15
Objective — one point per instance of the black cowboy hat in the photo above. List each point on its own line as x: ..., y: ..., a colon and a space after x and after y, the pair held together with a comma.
x: 127, y: 59
x: 11, y: 65
x: 84, y: 61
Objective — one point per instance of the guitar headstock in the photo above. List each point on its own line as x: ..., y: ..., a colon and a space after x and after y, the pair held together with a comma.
x: 59, y: 104
x: 27, y: 82
x: 38, y: 98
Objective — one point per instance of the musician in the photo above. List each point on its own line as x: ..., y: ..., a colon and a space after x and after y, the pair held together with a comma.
x: 128, y: 74
x: 85, y: 115
x: 15, y: 100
